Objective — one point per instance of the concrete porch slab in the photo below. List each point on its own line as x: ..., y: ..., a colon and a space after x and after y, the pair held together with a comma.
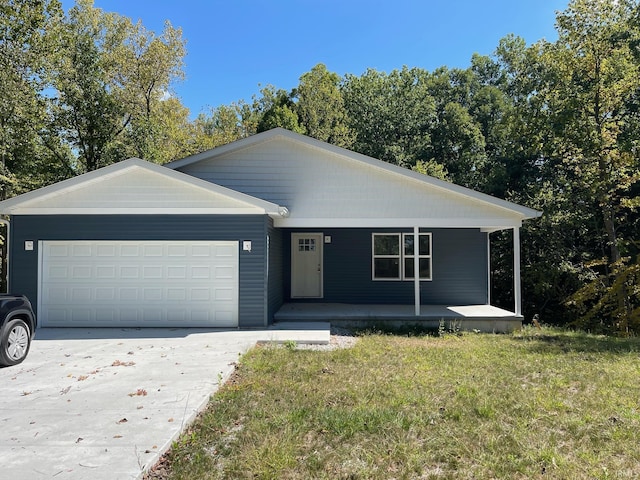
x: 486, y: 318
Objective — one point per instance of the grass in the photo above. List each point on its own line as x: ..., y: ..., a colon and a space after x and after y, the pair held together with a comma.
x: 535, y: 404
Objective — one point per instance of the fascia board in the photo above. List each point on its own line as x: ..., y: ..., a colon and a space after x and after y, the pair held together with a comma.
x: 480, y: 223
x: 140, y: 211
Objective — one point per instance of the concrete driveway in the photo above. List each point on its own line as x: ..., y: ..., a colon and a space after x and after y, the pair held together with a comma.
x: 106, y: 403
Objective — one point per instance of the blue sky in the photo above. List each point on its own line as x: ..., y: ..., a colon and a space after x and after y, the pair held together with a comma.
x: 233, y: 46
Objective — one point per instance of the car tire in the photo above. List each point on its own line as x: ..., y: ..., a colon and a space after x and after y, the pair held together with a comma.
x: 15, y: 341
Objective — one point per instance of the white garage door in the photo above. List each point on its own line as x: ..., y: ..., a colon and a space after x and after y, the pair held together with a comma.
x: 138, y: 284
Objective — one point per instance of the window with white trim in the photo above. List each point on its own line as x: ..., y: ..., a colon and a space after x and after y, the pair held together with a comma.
x: 393, y: 256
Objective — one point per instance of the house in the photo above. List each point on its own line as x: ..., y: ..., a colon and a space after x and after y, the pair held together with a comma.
x: 239, y: 235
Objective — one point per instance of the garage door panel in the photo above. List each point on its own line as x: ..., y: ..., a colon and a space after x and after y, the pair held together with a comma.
x: 81, y: 272
x: 106, y: 250
x: 106, y: 271
x: 177, y: 272
x: 201, y: 272
x: 128, y: 283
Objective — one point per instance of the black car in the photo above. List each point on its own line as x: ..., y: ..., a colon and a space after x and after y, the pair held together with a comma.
x: 17, y: 328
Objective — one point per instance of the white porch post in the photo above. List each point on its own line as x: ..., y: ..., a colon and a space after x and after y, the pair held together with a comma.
x: 416, y: 268
x: 488, y: 268
x: 517, y: 294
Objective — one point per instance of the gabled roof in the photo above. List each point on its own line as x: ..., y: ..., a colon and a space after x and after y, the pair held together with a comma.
x: 135, y: 186
x: 325, y: 185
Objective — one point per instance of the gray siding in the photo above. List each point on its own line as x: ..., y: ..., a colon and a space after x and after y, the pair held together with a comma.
x: 459, y: 269
x: 23, y: 267
x: 275, y: 272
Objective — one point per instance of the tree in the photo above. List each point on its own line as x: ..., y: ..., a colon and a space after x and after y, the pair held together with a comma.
x: 575, y: 100
x: 282, y: 112
x: 320, y: 107
x: 26, y: 40
x: 391, y: 114
x: 144, y: 68
x: 110, y: 78
x: 594, y: 76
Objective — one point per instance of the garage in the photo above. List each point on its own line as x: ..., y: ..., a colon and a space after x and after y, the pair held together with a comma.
x: 138, y: 283
x: 135, y: 244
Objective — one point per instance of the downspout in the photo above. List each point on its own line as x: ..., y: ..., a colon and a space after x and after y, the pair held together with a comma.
x: 6, y: 271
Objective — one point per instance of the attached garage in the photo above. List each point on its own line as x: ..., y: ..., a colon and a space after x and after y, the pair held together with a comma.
x: 138, y: 284
x: 139, y: 245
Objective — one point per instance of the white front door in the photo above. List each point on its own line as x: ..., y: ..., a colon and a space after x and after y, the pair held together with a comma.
x: 306, y: 265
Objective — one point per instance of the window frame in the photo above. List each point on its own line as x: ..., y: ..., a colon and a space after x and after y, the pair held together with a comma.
x: 374, y: 257
x: 401, y: 256
x: 420, y: 257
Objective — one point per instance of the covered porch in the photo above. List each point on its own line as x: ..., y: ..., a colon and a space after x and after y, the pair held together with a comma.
x: 485, y: 318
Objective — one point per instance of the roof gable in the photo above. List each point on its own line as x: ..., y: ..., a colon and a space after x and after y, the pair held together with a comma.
x: 325, y: 185
x: 135, y: 186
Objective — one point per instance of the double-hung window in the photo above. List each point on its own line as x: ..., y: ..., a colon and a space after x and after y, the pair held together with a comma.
x: 394, y: 256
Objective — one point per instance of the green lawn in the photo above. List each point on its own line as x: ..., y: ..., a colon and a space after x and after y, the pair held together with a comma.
x: 535, y: 404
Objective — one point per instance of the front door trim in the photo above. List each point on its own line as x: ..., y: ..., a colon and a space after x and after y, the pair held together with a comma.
x: 307, y: 280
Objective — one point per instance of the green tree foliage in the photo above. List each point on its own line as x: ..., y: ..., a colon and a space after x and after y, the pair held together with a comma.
x: 574, y: 126
x: 282, y: 112
x: 321, y: 109
x: 431, y: 168
x: 110, y: 77
x: 589, y: 93
x: 26, y: 43
x: 315, y: 108
x: 391, y: 114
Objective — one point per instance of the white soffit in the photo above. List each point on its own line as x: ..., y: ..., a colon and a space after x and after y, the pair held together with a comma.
x: 135, y: 186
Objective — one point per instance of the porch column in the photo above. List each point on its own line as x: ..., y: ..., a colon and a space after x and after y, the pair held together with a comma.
x: 416, y: 268
x: 488, y: 268
x: 517, y: 294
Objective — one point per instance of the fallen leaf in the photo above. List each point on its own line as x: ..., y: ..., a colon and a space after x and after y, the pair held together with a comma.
x: 118, y: 363
x: 141, y: 392
x: 170, y: 420
x: 82, y: 377
x: 122, y: 420
x: 117, y: 436
x: 79, y: 439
